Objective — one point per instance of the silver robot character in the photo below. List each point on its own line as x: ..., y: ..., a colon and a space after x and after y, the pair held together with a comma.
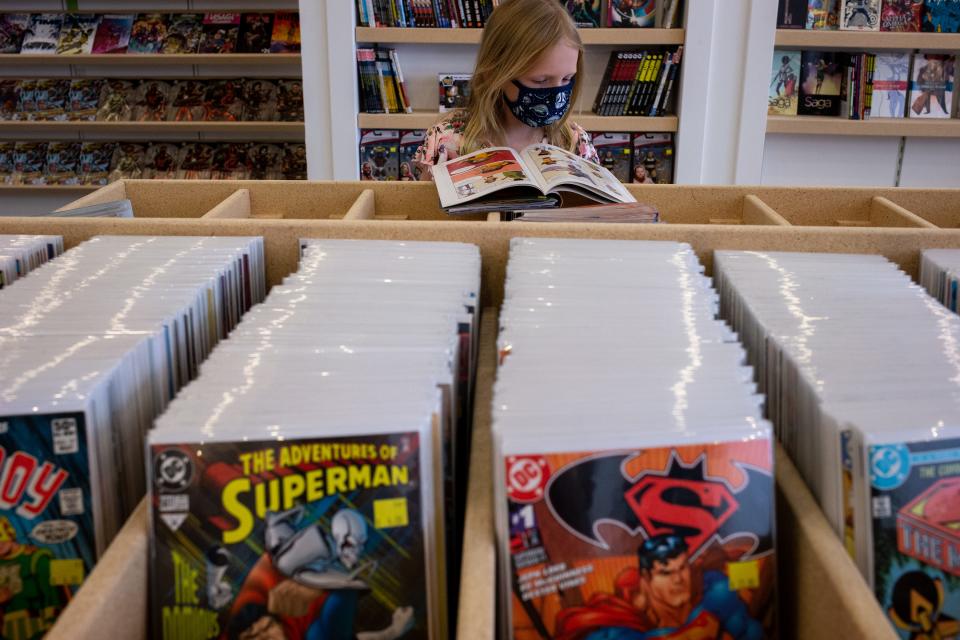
x: 328, y: 562
x: 219, y: 592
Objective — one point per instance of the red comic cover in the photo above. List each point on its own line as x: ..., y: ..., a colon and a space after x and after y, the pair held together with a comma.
x: 220, y: 33
x: 665, y: 543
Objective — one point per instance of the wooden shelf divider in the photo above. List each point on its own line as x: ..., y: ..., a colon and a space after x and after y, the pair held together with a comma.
x: 589, y: 121
x: 626, y: 37
x: 868, y: 40
x: 887, y: 127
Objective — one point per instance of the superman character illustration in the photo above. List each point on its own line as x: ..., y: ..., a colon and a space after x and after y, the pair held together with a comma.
x: 672, y: 543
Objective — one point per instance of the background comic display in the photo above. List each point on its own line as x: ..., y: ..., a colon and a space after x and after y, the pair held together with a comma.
x: 209, y: 513
x: 916, y: 546
x: 47, y: 539
x: 575, y: 553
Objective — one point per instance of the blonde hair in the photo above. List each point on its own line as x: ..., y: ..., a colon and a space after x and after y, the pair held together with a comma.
x: 517, y: 34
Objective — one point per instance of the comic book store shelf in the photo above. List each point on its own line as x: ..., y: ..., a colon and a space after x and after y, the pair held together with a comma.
x: 812, y: 39
x: 398, y: 35
x: 883, y: 127
x: 590, y: 122
x: 292, y: 130
x: 147, y: 59
x: 48, y: 187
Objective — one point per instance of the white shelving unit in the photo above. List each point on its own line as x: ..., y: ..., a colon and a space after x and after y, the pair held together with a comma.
x: 333, y: 122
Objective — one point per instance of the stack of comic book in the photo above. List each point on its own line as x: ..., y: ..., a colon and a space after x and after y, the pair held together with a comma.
x: 20, y: 254
x: 860, y: 368
x: 633, y: 471
x: 93, y: 345
x: 940, y: 275
x: 305, y: 479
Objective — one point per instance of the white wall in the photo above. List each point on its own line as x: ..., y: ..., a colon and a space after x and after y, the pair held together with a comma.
x: 930, y: 163
x: 830, y: 160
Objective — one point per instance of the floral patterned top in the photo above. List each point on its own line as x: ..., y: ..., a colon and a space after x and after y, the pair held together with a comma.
x: 443, y: 143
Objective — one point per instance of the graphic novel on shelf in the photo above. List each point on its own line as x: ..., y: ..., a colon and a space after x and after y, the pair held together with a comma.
x: 901, y: 15
x: 42, y: 34
x: 585, y: 13
x: 631, y: 13
x: 823, y: 14
x: 784, y: 83
x: 821, y: 74
x: 792, y: 14
x: 256, y: 31
x: 860, y: 15
x: 286, y: 33
x: 183, y: 34
x: 220, y: 33
x: 77, y: 33
x: 13, y: 26
x: 113, y: 33
x: 941, y: 16
x: 454, y: 90
x: 151, y: 101
x: 615, y: 151
x: 891, y: 83
x: 148, y: 33
x: 380, y: 154
x: 653, y: 158
x: 410, y: 141
x: 931, y: 88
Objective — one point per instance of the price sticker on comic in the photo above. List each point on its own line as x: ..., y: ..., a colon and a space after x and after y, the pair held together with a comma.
x: 744, y: 575
x: 389, y: 513
x: 66, y: 572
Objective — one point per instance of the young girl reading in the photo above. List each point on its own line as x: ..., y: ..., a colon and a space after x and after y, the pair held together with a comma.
x: 528, y: 73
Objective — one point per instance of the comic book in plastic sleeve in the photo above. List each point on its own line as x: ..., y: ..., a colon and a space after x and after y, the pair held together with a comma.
x: 186, y: 100
x: 410, y: 141
x: 129, y: 161
x: 379, y: 154
x: 289, y: 101
x: 148, y: 33
x: 784, y: 90
x: 162, y: 161
x: 901, y: 15
x: 585, y: 13
x: 26, y: 100
x: 77, y: 33
x: 263, y: 161
x: 151, y: 101
x: 653, y: 158
x: 915, y: 504
x: 823, y: 14
x: 223, y: 101
x: 9, y: 99
x: 286, y: 33
x: 84, y: 98
x: 95, y: 162
x: 312, y: 537
x: 256, y: 29
x: 183, y: 34
x: 116, y: 101
x: 220, y: 32
x: 195, y: 161
x: 293, y: 163
x: 614, y: 151
x: 63, y: 162
x: 941, y: 16
x: 29, y: 161
x: 670, y: 542
x: 259, y: 99
x: 52, y: 97
x: 6, y: 162
x: 12, y: 28
x: 229, y: 161
x: 47, y: 538
x: 42, y: 34
x: 113, y: 34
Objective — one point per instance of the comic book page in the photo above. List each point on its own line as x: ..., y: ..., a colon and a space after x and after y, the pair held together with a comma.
x: 562, y: 170
x: 673, y: 542
x: 77, y: 33
x: 305, y: 538
x: 481, y: 173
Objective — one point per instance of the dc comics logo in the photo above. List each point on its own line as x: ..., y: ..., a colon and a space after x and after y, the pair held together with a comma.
x: 527, y: 477
x: 172, y: 470
x: 889, y: 466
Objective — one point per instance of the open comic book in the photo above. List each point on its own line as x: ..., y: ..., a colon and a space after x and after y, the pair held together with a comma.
x: 540, y: 176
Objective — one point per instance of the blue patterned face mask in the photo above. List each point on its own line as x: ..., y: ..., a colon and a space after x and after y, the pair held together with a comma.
x: 541, y: 107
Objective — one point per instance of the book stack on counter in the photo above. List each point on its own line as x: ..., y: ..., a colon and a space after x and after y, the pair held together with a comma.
x: 860, y: 368
x: 21, y: 254
x: 306, y: 478
x: 382, y: 87
x: 621, y: 456
x: 639, y: 83
x: 940, y: 275
x: 859, y: 86
x: 93, y: 345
